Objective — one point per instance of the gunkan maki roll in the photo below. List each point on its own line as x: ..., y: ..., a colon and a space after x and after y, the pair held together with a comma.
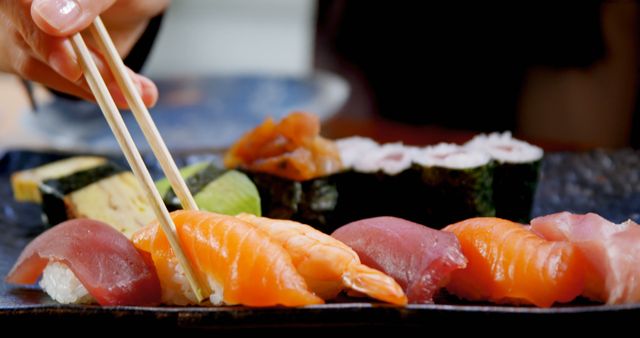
x: 516, y: 173
x: 291, y: 166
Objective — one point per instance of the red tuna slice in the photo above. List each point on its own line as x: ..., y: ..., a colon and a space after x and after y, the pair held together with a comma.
x: 612, y: 250
x: 103, y: 259
x: 419, y: 258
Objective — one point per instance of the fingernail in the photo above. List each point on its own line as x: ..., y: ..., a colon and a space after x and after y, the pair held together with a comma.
x: 60, y: 14
x: 65, y: 62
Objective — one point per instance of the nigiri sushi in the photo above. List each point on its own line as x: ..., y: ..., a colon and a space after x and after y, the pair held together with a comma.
x: 419, y: 258
x: 83, y: 261
x: 239, y: 263
x: 612, y: 250
x: 327, y: 264
x: 509, y: 263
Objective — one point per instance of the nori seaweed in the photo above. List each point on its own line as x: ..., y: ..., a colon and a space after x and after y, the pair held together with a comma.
x: 433, y: 196
x: 514, y: 187
x: 53, y: 190
x: 318, y: 202
x: 452, y: 195
x: 279, y: 197
x: 311, y: 202
x: 363, y: 195
x: 195, y: 183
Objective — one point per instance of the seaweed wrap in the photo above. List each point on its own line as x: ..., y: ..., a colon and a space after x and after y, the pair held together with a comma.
x: 311, y: 202
x: 292, y: 167
x: 377, y: 180
x: 216, y: 189
x: 516, y: 173
x: 54, y: 190
x: 451, y: 184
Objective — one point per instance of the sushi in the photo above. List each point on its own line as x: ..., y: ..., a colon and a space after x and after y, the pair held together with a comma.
x: 290, y: 164
x: 420, y: 259
x: 215, y: 189
x: 85, y: 187
x: 292, y: 148
x: 311, y: 202
x: 612, y: 252
x: 239, y: 263
x: 327, y: 264
x: 375, y: 181
x: 453, y: 183
x: 25, y: 184
x: 507, y: 263
x: 86, y: 261
x: 447, y: 183
x: 516, y: 173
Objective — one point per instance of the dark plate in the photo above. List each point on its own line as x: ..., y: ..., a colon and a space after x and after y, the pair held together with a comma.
x: 604, y: 182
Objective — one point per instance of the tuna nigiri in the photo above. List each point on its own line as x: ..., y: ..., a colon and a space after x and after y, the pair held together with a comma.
x: 509, y: 263
x: 240, y: 264
x: 420, y: 259
x: 612, y: 250
x: 291, y: 149
x: 327, y: 264
x: 95, y: 261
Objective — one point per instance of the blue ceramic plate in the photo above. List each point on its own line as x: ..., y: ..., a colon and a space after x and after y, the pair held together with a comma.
x: 194, y: 113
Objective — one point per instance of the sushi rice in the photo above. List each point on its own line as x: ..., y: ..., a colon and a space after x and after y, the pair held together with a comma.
x: 503, y: 148
x: 184, y: 295
x: 390, y: 159
x: 61, y: 284
x: 353, y: 148
x: 450, y: 156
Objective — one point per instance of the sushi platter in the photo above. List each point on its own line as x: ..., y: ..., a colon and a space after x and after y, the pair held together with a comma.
x: 585, y: 179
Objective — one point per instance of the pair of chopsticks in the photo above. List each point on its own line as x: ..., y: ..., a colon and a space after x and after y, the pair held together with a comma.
x: 119, y: 129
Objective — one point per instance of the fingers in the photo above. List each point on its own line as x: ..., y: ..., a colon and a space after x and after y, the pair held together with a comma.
x: 147, y: 89
x: 31, y: 68
x: 65, y: 17
x: 149, y: 92
x: 55, y: 51
x: 51, y: 60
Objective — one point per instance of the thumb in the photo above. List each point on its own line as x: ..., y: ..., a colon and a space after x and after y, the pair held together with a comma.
x: 66, y: 17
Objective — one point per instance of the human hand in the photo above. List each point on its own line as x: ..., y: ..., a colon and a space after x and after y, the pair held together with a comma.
x: 34, y: 44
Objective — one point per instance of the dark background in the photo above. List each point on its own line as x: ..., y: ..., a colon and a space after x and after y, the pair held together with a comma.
x: 451, y: 63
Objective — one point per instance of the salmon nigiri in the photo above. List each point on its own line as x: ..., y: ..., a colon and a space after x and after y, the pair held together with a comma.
x: 509, y: 263
x: 239, y: 263
x: 613, y: 252
x: 327, y: 264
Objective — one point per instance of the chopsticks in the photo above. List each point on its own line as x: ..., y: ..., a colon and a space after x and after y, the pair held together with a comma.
x: 120, y: 131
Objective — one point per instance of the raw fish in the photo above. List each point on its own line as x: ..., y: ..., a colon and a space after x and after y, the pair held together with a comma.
x: 239, y: 263
x: 419, y: 258
x: 510, y: 264
x: 327, y: 264
x: 103, y: 259
x: 612, y: 250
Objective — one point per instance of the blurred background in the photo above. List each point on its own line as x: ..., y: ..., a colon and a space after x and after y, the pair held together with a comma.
x: 563, y: 75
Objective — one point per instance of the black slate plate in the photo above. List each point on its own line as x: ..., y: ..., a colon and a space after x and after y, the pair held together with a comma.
x: 600, y: 181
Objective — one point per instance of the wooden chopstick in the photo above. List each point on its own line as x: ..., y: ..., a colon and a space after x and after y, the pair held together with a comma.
x: 120, y: 131
x: 141, y: 114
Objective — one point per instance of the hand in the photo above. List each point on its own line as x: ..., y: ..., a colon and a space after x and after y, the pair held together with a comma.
x: 34, y: 44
